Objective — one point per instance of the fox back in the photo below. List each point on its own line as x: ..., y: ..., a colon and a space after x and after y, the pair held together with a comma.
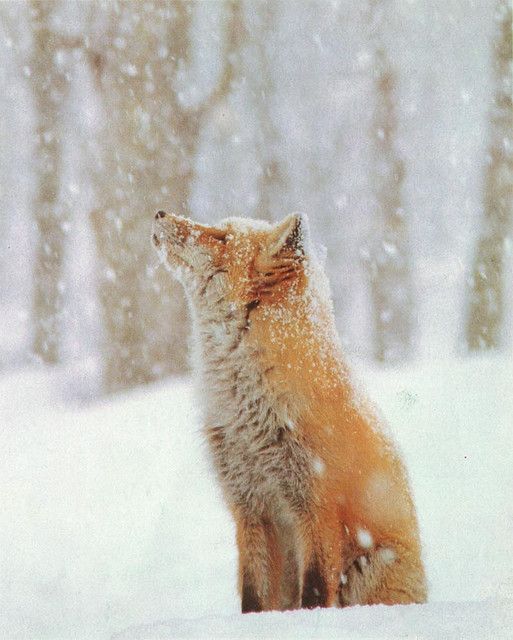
x: 317, y: 490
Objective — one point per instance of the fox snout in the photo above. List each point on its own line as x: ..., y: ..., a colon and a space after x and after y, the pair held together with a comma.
x: 167, y: 231
x: 157, y: 234
x: 172, y: 228
x: 175, y: 239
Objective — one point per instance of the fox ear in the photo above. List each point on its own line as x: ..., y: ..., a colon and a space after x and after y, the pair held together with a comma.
x: 291, y: 234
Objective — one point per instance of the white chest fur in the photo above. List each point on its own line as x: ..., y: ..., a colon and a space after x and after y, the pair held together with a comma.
x: 260, y: 462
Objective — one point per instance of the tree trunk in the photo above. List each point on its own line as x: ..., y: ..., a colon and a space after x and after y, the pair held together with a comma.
x: 271, y: 181
x: 486, y: 304
x: 144, y: 315
x: 147, y: 163
x: 389, y: 265
x: 48, y: 84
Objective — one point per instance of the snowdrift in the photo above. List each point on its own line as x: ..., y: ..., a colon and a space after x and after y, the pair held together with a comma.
x: 440, y: 621
x: 111, y: 519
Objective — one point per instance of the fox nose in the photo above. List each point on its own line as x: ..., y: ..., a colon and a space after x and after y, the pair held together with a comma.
x: 160, y: 214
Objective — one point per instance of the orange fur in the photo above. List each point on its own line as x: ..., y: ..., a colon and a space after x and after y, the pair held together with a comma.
x: 352, y: 456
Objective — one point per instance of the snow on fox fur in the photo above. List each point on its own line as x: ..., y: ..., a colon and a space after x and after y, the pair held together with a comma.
x: 320, y: 497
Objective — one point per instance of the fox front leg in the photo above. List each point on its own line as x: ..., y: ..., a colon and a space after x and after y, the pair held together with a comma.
x: 258, y: 565
x: 323, y: 561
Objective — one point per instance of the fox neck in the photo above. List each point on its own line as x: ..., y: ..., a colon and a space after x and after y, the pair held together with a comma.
x: 261, y: 355
x: 225, y: 361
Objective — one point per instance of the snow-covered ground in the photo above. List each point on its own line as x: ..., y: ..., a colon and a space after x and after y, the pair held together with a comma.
x: 435, y: 621
x: 111, y: 519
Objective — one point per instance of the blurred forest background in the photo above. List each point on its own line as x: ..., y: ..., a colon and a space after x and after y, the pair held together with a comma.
x: 389, y: 122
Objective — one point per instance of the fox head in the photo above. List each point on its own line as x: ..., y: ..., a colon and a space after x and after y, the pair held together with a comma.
x: 242, y: 261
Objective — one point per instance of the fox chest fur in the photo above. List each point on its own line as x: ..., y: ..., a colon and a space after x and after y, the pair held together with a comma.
x: 257, y: 451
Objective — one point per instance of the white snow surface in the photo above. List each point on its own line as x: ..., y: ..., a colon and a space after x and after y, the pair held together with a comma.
x: 112, y: 524
x: 436, y: 620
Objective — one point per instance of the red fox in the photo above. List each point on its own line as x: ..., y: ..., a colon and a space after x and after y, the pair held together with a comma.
x: 320, y: 497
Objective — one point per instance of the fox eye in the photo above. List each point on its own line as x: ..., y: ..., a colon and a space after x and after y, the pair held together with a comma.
x: 216, y: 234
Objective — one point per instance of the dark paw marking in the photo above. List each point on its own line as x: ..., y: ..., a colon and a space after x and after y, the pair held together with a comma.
x: 250, y: 599
x: 315, y: 591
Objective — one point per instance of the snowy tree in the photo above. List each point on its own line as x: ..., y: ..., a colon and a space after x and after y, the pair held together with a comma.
x: 49, y: 85
x: 191, y: 107
x: 255, y: 109
x: 260, y: 22
x: 225, y: 94
x: 146, y: 162
x: 239, y: 137
x: 486, y: 305
x: 389, y: 263
x: 137, y: 172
